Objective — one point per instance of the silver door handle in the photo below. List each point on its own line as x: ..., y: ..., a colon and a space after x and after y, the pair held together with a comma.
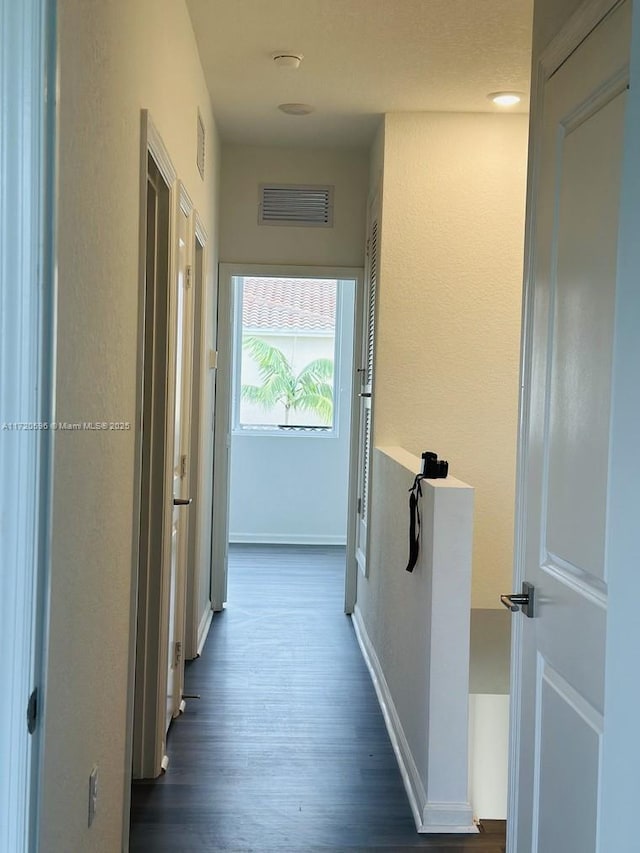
x: 520, y: 600
x: 182, y: 501
x: 364, y: 394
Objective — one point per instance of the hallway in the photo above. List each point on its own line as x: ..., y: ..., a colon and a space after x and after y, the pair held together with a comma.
x: 286, y: 749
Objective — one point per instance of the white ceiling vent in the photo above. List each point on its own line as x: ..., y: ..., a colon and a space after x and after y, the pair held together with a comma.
x: 296, y: 204
x: 200, y: 148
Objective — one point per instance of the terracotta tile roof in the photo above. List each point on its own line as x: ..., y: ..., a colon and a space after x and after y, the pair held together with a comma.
x: 289, y: 303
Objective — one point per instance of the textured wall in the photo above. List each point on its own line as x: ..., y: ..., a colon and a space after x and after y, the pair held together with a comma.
x: 116, y: 58
x: 449, y: 310
x: 376, y: 161
x: 242, y: 240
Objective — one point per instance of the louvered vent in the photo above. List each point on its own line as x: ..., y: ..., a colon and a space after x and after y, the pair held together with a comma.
x: 200, y: 150
x: 366, y: 457
x: 292, y: 204
x: 371, y: 309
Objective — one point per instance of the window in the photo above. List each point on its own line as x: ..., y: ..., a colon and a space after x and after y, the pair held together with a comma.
x: 285, y: 354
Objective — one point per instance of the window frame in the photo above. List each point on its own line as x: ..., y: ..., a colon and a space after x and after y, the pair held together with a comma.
x: 321, y: 432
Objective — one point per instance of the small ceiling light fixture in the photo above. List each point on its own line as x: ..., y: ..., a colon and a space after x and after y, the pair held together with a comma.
x: 296, y: 109
x: 287, y: 59
x: 505, y: 99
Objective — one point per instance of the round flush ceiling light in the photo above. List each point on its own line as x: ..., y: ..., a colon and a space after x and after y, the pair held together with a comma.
x: 286, y: 59
x: 296, y: 109
x: 505, y: 99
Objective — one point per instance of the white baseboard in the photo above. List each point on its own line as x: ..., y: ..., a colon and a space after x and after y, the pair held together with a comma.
x: 203, y: 629
x: 286, y: 539
x: 429, y: 817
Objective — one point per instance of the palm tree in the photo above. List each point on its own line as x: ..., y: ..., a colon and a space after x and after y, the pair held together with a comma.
x: 310, y: 390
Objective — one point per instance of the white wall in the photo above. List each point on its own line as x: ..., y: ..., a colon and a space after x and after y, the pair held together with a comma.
x: 414, y: 629
x: 449, y: 310
x: 293, y: 488
x: 376, y: 161
x: 242, y: 240
x: 115, y: 59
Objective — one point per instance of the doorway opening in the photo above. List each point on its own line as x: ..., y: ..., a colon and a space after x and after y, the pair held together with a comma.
x: 288, y: 340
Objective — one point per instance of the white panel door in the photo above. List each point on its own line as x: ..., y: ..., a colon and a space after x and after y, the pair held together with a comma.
x: 181, y: 464
x: 366, y: 377
x: 564, y: 453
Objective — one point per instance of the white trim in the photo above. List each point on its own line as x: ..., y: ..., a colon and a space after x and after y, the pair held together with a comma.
x: 201, y: 440
x: 222, y: 442
x: 286, y: 539
x: 203, y: 629
x: 220, y: 533
x: 257, y: 431
x: 199, y: 230
x: 272, y: 430
x: 619, y: 779
x: 186, y: 205
x: 158, y: 150
x: 151, y: 722
x: 428, y: 817
x: 27, y: 347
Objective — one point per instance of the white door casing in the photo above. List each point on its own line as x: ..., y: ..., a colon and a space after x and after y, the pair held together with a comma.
x: 365, y: 381
x: 558, y: 660
x: 222, y: 440
x: 27, y: 385
x: 223, y: 415
x: 198, y: 609
x: 154, y: 459
x: 183, y: 337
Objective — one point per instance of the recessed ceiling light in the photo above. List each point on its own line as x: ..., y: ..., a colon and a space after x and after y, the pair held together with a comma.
x: 296, y: 109
x: 287, y: 59
x: 505, y: 99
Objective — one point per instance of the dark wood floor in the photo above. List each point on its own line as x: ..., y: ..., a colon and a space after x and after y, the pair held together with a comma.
x: 286, y: 750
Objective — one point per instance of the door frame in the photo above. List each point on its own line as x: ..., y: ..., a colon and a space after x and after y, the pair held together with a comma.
x: 197, y: 624
x: 28, y: 287
x: 151, y: 144
x: 575, y: 31
x: 223, y: 417
x: 184, y: 518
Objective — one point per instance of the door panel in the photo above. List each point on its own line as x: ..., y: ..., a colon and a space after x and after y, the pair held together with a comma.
x: 583, y: 328
x: 565, y: 444
x: 567, y: 726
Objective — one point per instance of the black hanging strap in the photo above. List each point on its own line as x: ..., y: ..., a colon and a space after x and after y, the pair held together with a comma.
x: 414, y: 522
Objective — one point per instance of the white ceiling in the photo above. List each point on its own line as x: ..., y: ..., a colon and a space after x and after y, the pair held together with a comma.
x: 362, y: 58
